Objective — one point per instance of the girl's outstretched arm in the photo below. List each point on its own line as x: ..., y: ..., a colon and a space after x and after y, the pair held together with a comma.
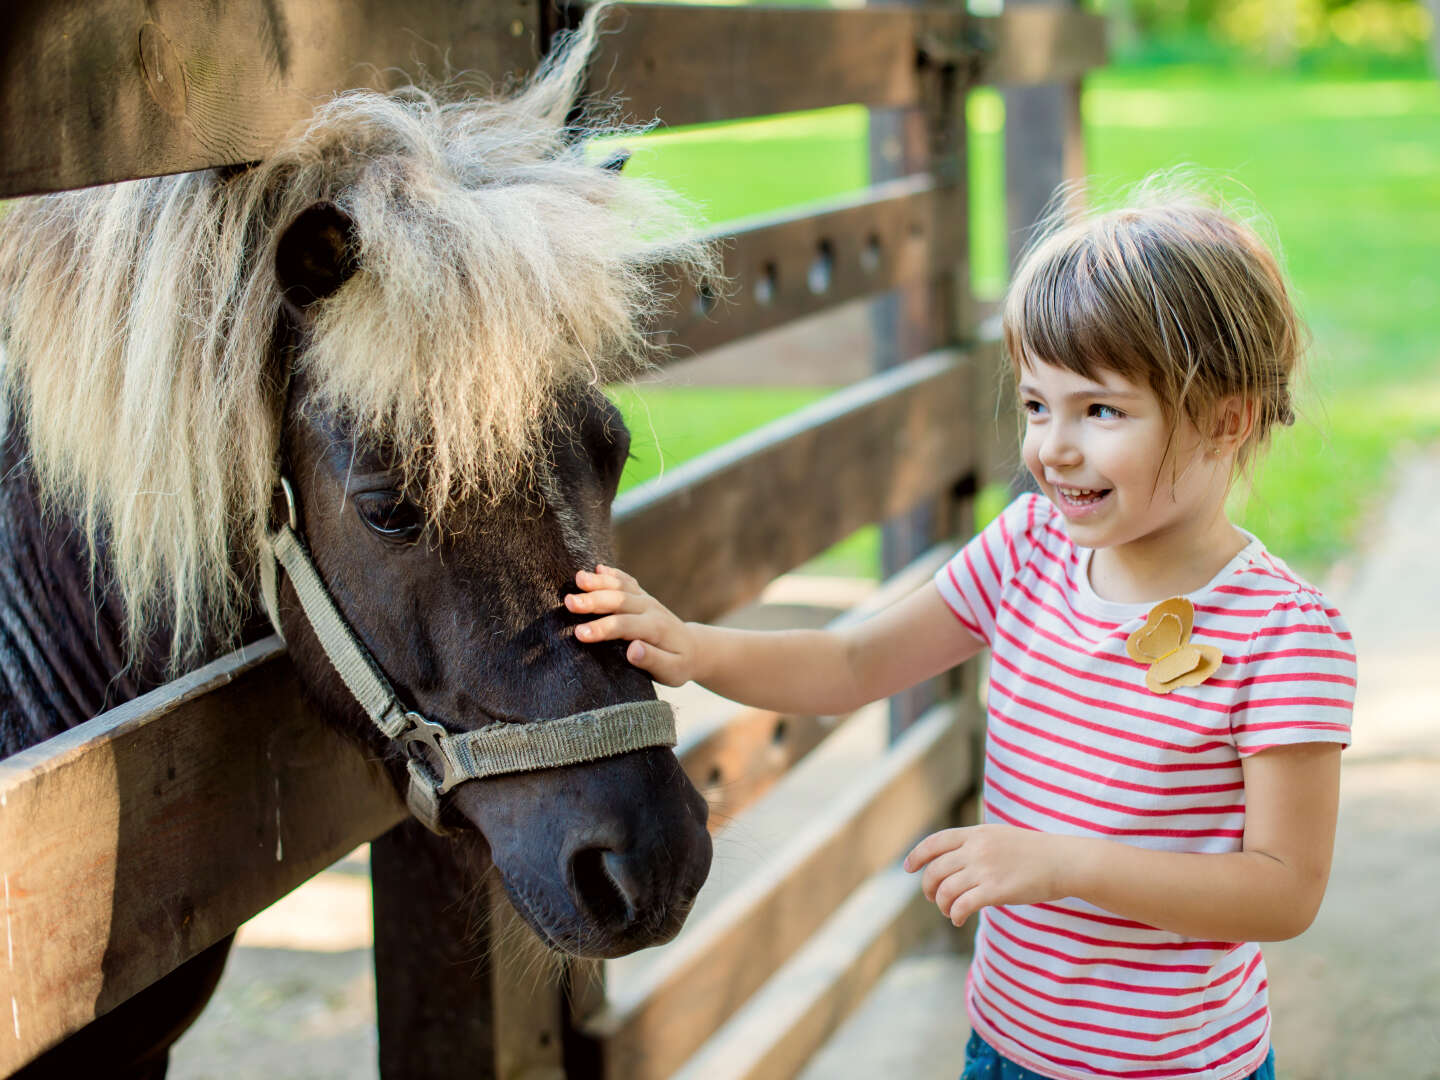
x: 823, y: 672
x: 1268, y: 891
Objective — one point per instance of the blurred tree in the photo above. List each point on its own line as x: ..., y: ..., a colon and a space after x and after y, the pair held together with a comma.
x: 1282, y: 29
x: 1435, y: 34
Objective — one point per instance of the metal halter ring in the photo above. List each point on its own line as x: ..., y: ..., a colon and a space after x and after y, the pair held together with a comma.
x: 424, y: 732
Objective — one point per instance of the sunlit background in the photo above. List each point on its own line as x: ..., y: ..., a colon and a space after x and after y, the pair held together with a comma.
x: 1322, y: 114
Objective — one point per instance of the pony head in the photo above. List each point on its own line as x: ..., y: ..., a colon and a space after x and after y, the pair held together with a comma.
x: 410, y: 308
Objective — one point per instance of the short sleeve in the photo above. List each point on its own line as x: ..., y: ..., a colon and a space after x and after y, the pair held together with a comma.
x: 972, y: 581
x: 1296, y: 683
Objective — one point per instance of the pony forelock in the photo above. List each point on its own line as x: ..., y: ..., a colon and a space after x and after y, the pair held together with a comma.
x: 498, y: 267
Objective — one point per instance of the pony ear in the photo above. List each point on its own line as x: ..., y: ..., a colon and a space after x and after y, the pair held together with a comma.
x: 316, y: 254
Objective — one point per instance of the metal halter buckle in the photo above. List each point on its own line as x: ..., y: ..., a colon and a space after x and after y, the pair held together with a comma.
x: 290, y: 504
x: 423, y: 732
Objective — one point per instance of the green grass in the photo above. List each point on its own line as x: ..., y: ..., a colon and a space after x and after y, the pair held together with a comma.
x: 1349, y: 172
x: 1347, y: 169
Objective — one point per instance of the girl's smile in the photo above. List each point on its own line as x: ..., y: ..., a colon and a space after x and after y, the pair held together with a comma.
x: 1102, y: 451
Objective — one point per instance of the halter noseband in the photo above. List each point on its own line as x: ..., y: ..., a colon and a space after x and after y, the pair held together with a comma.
x: 492, y: 750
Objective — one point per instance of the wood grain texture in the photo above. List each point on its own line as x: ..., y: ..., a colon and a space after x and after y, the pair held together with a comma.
x: 1039, y: 43
x: 786, y: 266
x: 712, y: 533
x: 699, y: 64
x: 811, y: 996
x: 435, y: 1001
x: 709, y: 974
x: 735, y: 763
x: 94, y: 91
x: 463, y: 986
x: 134, y: 841
x: 1044, y: 143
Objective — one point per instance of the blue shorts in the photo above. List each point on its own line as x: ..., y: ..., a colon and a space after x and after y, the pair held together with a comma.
x: 982, y: 1062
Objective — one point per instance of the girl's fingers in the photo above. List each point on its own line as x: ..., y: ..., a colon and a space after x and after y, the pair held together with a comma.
x: 604, y: 602
x: 662, y: 666
x: 607, y: 577
x: 591, y: 582
x: 933, y: 845
x: 607, y: 628
x: 626, y: 581
x: 939, y: 870
x: 628, y: 627
x: 966, y: 905
x: 951, y: 888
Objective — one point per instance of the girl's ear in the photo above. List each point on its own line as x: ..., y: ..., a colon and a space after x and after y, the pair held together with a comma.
x: 1233, y: 423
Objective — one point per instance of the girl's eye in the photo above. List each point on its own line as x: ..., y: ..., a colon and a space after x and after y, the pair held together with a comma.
x: 1033, y: 408
x: 1105, y: 412
x: 390, y: 515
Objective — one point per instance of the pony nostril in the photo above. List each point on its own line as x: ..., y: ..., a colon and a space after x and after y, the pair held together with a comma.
x: 603, y: 887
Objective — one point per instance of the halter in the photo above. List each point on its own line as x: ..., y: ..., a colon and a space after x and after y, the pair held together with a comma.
x: 492, y: 750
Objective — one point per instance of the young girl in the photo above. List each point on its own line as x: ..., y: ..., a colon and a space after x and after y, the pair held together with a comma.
x: 1167, y: 700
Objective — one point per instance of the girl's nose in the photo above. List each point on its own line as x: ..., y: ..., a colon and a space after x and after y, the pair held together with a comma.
x: 1059, y: 450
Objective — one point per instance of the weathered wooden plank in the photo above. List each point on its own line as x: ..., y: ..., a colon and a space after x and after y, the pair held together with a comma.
x: 810, y: 997
x: 459, y: 977
x: 786, y: 266
x: 1036, y: 44
x: 134, y: 841
x: 697, y: 64
x: 528, y: 980
x: 735, y: 763
x: 706, y: 976
x: 1044, y: 138
x: 712, y: 533
x: 104, y: 90
x: 93, y: 91
x: 435, y: 1001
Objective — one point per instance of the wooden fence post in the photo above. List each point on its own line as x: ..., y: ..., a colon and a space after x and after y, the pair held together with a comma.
x: 912, y: 320
x: 434, y: 998
x: 1044, y: 145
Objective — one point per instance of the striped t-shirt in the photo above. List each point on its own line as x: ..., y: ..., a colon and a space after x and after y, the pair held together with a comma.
x: 1077, y: 744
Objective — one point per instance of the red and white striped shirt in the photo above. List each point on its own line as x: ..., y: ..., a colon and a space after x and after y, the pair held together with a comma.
x: 1077, y: 744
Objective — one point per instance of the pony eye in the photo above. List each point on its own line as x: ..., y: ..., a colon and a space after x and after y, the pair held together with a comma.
x: 390, y: 515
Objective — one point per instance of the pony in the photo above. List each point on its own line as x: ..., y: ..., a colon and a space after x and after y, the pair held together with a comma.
x: 409, y: 310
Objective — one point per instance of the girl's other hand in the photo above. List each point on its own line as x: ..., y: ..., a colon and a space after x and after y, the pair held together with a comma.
x: 971, y: 868
x: 660, y: 642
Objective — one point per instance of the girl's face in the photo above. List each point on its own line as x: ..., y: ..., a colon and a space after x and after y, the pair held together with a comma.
x: 1098, y: 449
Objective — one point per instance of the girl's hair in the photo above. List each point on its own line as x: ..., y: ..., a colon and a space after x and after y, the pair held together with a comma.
x: 1168, y: 290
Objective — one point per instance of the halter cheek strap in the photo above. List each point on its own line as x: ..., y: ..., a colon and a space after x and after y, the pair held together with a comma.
x: 492, y: 750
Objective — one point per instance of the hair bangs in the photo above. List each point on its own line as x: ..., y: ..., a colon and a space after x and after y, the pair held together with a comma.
x: 1059, y: 311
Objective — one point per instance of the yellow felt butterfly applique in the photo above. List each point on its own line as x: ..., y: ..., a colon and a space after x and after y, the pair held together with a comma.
x: 1164, y: 643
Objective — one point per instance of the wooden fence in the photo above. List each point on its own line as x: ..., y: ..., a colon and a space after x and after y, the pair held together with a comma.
x: 135, y: 841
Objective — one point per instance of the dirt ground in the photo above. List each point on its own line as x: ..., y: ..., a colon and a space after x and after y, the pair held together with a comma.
x: 1357, y: 996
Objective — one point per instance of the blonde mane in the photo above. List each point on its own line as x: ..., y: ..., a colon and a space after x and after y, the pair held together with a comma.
x: 498, y: 265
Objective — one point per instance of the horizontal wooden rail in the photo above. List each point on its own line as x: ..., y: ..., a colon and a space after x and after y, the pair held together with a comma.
x: 736, y: 762
x: 810, y: 997
x: 707, y: 974
x: 785, y: 266
x: 115, y: 89
x: 696, y: 64
x: 712, y: 533
x: 134, y: 841
x: 111, y: 90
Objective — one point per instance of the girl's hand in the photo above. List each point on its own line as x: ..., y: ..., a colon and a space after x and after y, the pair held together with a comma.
x: 971, y: 868
x: 660, y: 642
